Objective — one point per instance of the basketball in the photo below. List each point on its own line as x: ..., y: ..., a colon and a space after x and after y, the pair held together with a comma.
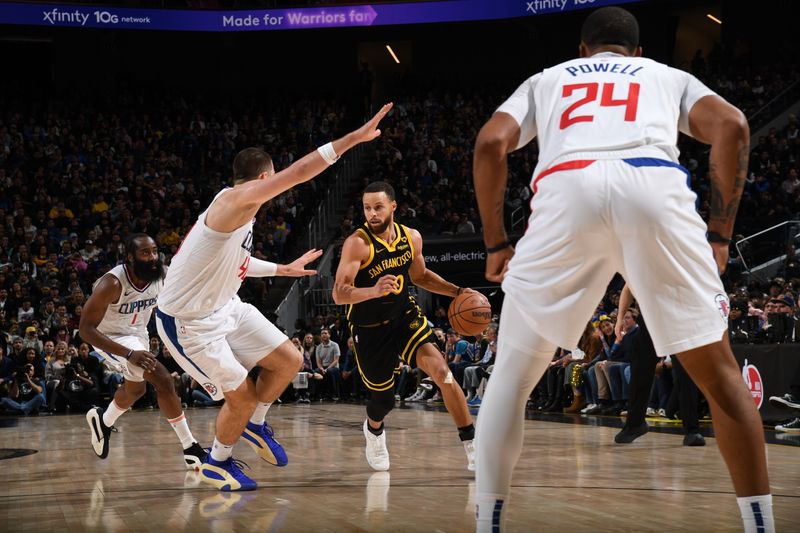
x: 469, y: 313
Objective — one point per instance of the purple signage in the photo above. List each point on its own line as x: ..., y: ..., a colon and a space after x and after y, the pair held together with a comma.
x: 81, y: 16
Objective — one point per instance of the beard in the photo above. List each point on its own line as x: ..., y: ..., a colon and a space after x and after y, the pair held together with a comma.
x: 380, y: 227
x: 148, y: 271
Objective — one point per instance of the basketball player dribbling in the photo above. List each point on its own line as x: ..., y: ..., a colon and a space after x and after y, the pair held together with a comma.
x: 610, y: 196
x: 216, y: 337
x: 114, y: 322
x: 379, y: 261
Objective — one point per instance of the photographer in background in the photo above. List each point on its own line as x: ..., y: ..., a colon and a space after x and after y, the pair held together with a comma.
x: 25, y: 394
x: 78, y: 390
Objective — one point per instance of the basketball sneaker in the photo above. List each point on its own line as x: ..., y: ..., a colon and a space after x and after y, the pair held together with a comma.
x: 790, y: 427
x: 786, y: 401
x: 226, y: 475
x: 469, y: 447
x: 377, y: 454
x: 194, y: 456
x: 261, y: 439
x: 100, y: 432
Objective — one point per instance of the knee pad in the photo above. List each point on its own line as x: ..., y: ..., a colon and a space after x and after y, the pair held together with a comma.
x: 379, y: 404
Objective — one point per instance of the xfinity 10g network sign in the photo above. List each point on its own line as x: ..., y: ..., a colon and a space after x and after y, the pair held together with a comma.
x: 79, y: 16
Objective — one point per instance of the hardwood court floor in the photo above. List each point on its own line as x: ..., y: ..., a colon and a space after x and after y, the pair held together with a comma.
x: 570, y: 478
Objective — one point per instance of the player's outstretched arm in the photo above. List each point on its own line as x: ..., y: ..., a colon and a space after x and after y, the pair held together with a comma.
x: 258, y: 192
x: 714, y: 121
x: 429, y: 280
x: 296, y: 269
x: 354, y: 252
x: 106, y: 292
x: 498, y: 137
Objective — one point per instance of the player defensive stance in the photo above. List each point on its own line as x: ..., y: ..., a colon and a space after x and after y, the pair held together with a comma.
x: 216, y: 337
x: 114, y: 321
x: 379, y: 260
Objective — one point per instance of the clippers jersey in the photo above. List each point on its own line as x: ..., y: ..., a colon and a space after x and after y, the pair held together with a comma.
x: 129, y: 315
x: 207, y: 270
x: 605, y: 103
x: 384, y: 258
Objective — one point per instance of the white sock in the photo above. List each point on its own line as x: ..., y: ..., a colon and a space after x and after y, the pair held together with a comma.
x: 260, y: 414
x: 113, y: 412
x: 182, y: 430
x: 522, y: 358
x: 757, y: 513
x: 221, y: 452
x: 490, y: 510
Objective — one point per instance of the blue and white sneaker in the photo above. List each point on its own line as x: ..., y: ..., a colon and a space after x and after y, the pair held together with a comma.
x: 226, y: 475
x: 261, y: 439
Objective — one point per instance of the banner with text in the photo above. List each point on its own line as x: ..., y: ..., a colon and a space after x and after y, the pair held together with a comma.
x: 449, y: 256
x: 82, y: 16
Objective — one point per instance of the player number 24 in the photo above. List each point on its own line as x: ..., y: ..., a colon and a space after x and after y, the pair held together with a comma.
x: 631, y: 103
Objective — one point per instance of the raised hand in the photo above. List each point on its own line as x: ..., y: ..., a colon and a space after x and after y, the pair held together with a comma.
x: 297, y: 268
x: 370, y: 131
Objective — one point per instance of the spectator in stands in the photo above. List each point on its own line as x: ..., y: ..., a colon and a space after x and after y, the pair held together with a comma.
x: 475, y: 373
x: 459, y: 355
x: 327, y: 355
x: 314, y: 378
x: 54, y: 373
x: 589, y: 346
x: 32, y: 340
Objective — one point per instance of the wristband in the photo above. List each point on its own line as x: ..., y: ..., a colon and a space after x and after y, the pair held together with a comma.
x: 502, y: 246
x: 328, y: 153
x: 713, y: 236
x: 128, y: 355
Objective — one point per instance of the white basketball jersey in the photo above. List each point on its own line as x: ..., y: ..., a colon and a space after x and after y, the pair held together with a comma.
x: 129, y: 315
x: 603, y: 103
x: 207, y: 270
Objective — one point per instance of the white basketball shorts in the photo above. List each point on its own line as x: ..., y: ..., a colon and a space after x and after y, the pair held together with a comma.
x: 130, y: 371
x: 596, y: 214
x: 219, y: 350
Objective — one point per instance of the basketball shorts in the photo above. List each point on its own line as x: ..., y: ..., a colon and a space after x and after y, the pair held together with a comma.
x: 219, y: 350
x: 380, y: 347
x: 128, y: 370
x: 601, y: 213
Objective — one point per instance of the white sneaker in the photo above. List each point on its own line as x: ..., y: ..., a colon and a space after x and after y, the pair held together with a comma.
x: 377, y: 454
x: 414, y: 397
x: 789, y: 427
x: 662, y: 413
x: 651, y: 412
x: 590, y: 406
x: 436, y: 398
x: 469, y: 447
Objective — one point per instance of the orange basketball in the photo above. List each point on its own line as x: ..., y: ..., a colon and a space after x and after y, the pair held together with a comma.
x: 469, y: 313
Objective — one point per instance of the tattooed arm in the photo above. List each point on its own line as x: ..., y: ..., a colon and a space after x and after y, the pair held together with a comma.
x: 714, y: 121
x: 499, y: 136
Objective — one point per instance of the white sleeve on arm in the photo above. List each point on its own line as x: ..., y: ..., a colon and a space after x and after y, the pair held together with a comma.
x: 261, y: 269
x: 693, y: 90
x: 522, y: 109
